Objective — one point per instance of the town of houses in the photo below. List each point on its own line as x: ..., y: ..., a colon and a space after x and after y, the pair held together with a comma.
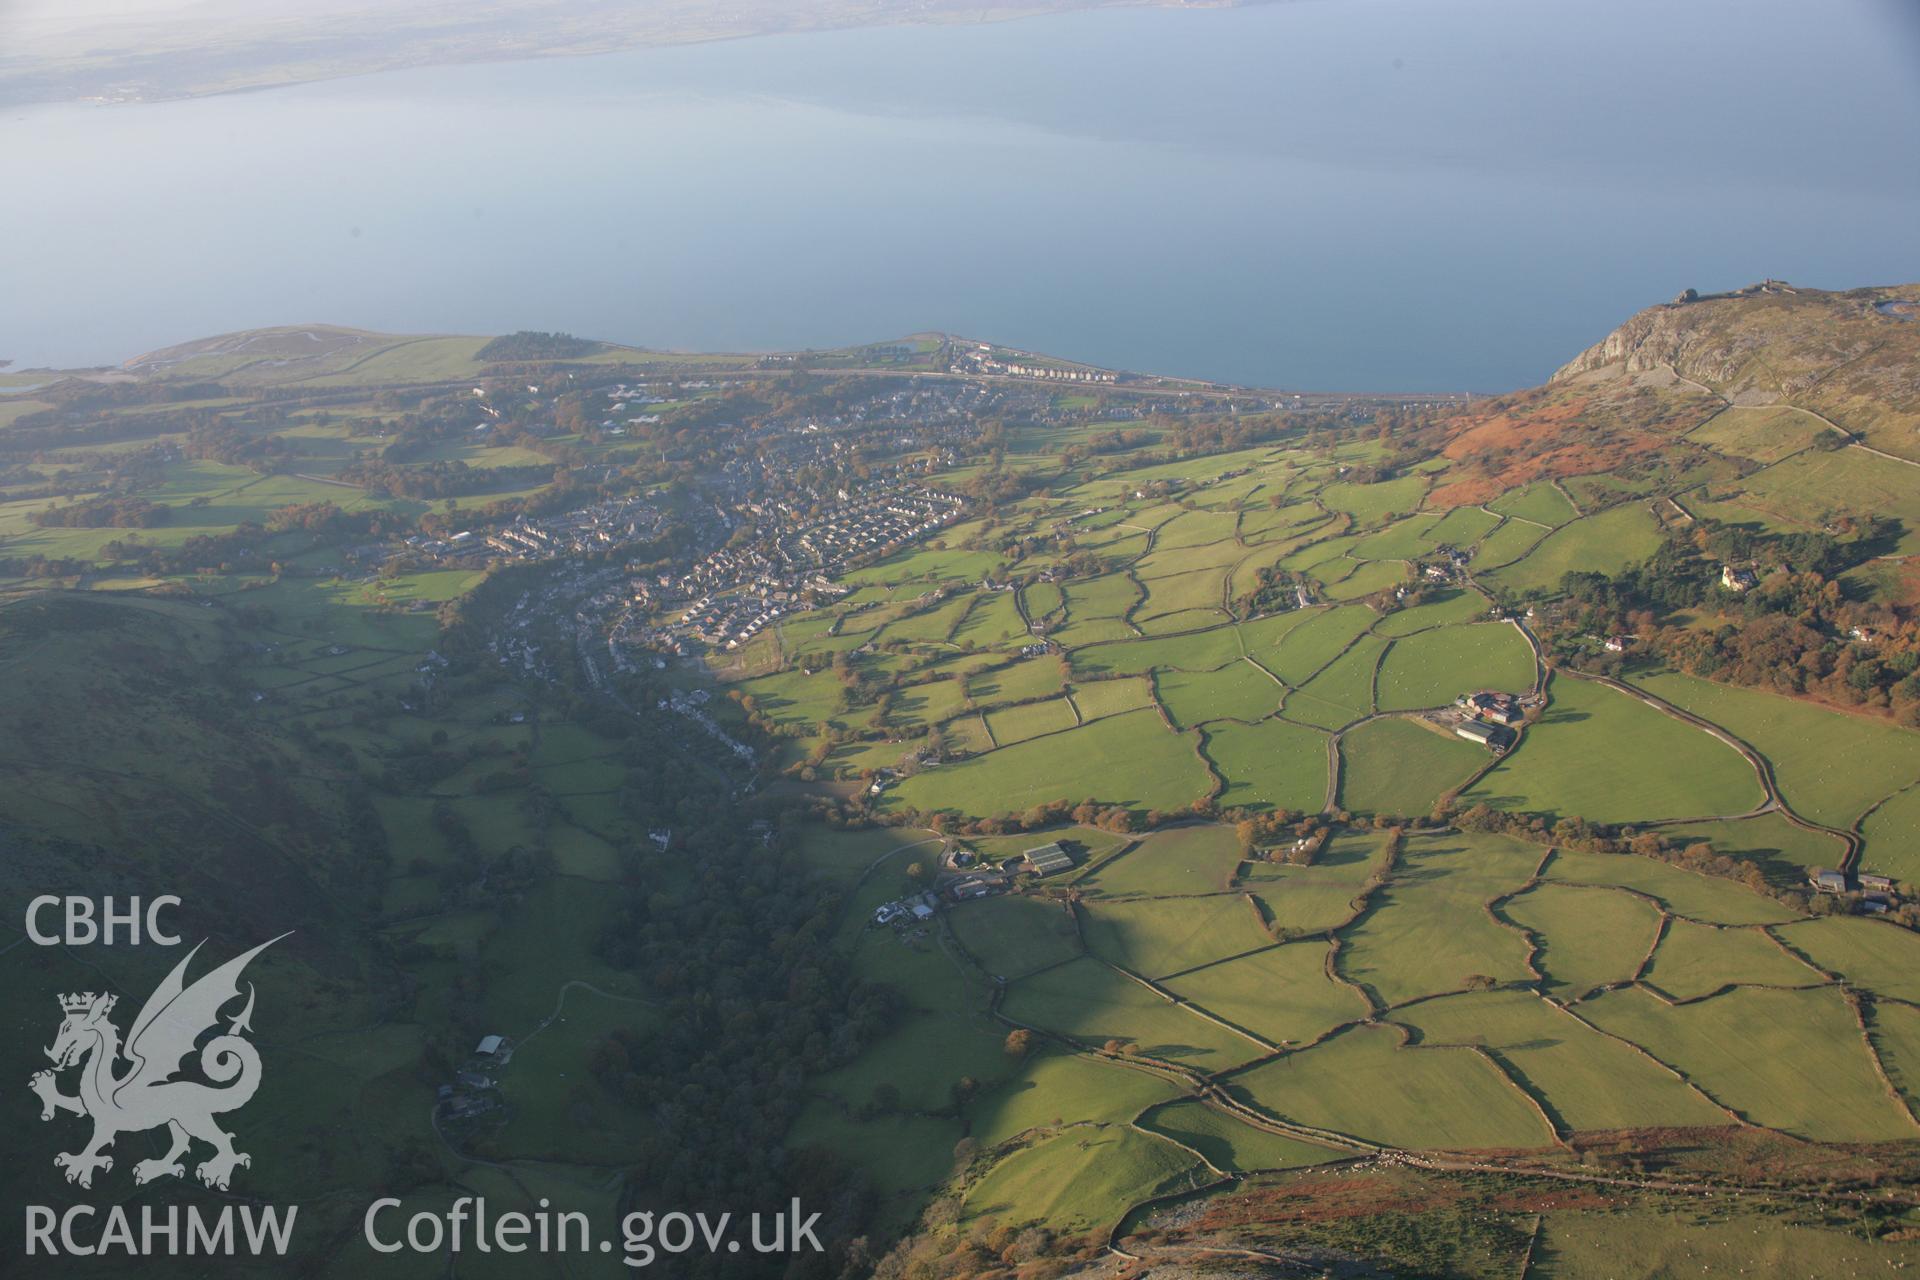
x: 737, y: 592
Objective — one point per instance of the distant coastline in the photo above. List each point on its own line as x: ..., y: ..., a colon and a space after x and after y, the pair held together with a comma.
x: 147, y: 61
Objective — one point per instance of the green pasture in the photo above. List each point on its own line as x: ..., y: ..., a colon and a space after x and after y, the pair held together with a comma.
x: 1092, y: 1004
x: 1428, y: 931
x: 1607, y: 757
x: 1228, y: 1144
x: 1789, y: 1060
x: 1365, y: 1084
x: 1200, y: 858
x: 1605, y: 542
x: 1695, y: 960
x: 1206, y: 651
x: 1586, y: 937
x: 1451, y: 605
x: 1764, y: 433
x: 1319, y: 638
x: 1011, y: 936
x: 1017, y: 724
x: 1130, y: 759
x: 1314, y: 899
x: 1539, y: 502
x: 1110, y: 596
x: 1096, y: 698
x: 1081, y: 1179
x: 1281, y: 993
x: 1432, y: 668
x: 1873, y: 954
x: 1402, y: 767
x: 1054, y: 1088
x: 1238, y: 691
x: 1584, y: 1080
x: 1507, y: 544
x: 1691, y: 1241
x: 1785, y: 851
x: 1155, y: 937
x: 1372, y: 503
x: 1272, y: 764
x: 1028, y: 678
x: 1682, y: 892
x: 1830, y: 766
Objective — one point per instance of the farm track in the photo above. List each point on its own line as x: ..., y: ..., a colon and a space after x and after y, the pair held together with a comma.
x: 1773, y: 801
x: 1812, y: 413
x: 1762, y: 767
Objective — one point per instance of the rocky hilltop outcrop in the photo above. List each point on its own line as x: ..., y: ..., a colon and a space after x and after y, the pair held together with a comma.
x: 1853, y: 356
x: 1632, y: 399
x: 1769, y: 337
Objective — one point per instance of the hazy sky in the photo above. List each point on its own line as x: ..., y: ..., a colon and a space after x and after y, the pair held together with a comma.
x: 42, y: 17
x: 94, y: 11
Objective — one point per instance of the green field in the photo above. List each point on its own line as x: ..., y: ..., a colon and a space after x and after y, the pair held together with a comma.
x: 1584, y: 1080
x: 1830, y: 766
x: 1272, y: 764
x: 1228, y: 1144
x: 1606, y: 542
x: 1054, y: 1088
x: 1179, y: 860
x: 1428, y: 931
x: 1507, y: 544
x: 1587, y: 937
x: 1282, y: 994
x: 1239, y: 691
x: 1316, y: 898
x: 1686, y: 1241
x: 1162, y: 936
x: 1207, y: 651
x: 1131, y: 760
x: 1364, y: 1084
x: 1012, y: 936
x: 1028, y: 678
x: 1343, y: 691
x: 1093, y: 1004
x: 1097, y: 698
x: 1880, y: 957
x: 1031, y: 720
x: 1432, y: 668
x: 1081, y: 1179
x: 1764, y: 433
x: 1607, y: 757
x: 1401, y: 767
x: 1786, y: 851
x: 1695, y: 960
x: 1372, y: 503
x: 1299, y: 651
x: 1808, y: 490
x: 1790, y: 1060
x: 1444, y: 607
x: 1540, y: 503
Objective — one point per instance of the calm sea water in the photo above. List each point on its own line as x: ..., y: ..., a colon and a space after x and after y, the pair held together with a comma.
x: 1365, y: 194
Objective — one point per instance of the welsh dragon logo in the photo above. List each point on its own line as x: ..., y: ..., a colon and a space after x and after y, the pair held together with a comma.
x: 146, y: 1095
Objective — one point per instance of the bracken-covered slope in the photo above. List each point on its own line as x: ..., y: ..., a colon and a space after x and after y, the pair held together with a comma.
x: 1629, y: 404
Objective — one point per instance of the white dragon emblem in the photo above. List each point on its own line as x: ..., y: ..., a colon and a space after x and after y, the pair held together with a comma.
x: 146, y: 1095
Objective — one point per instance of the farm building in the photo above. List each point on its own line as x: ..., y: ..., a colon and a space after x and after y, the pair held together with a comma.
x: 1048, y: 859
x: 1493, y: 737
x: 1501, y: 708
x: 1830, y: 882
